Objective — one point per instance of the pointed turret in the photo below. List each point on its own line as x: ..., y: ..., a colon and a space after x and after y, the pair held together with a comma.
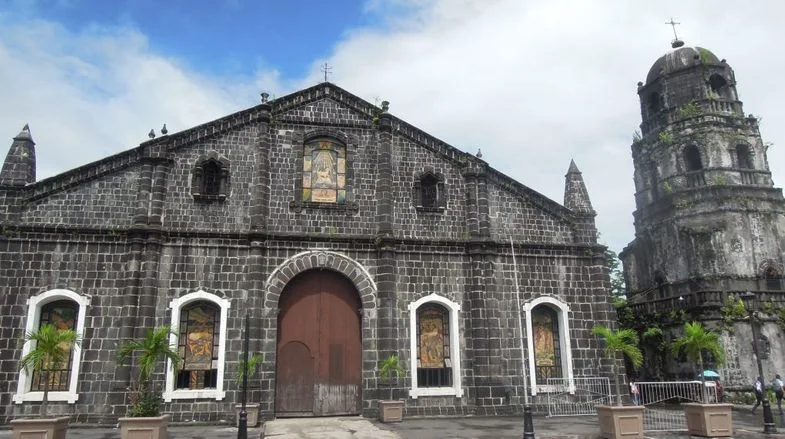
x: 576, y: 197
x: 19, y: 166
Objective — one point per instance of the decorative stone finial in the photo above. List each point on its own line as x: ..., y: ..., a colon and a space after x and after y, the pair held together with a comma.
x: 385, y: 106
x: 479, y: 153
x: 24, y: 134
x: 164, y: 131
x: 265, y: 97
x: 151, y: 134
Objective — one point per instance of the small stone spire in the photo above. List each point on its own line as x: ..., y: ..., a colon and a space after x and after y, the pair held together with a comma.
x: 19, y: 166
x: 576, y: 197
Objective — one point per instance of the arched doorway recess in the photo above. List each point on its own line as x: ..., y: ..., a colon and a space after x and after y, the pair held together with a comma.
x: 319, y: 346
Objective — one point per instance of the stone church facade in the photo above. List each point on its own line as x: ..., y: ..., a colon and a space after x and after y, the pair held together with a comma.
x: 342, y: 232
x: 709, y: 222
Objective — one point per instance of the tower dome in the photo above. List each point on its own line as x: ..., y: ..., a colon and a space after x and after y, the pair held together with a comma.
x: 681, y: 57
x: 686, y: 80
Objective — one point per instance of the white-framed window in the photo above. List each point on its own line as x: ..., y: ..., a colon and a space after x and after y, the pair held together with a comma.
x: 199, y: 326
x: 548, y: 342
x: 435, y: 355
x: 66, y: 309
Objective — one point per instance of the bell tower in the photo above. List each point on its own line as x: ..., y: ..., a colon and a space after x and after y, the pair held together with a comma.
x: 707, y: 217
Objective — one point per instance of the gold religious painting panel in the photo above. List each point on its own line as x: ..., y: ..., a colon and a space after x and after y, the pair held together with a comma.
x: 323, y: 173
x: 63, y: 319
x: 324, y: 195
x: 544, y: 349
x: 431, y: 339
x: 199, y: 342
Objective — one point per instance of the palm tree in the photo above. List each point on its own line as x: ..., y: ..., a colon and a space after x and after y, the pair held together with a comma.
x: 695, y: 340
x: 390, y: 366
x: 250, y: 368
x: 150, y: 349
x: 50, y: 349
x: 620, y: 340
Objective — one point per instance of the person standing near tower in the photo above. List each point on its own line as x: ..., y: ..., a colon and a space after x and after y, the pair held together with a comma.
x: 758, y: 387
x: 778, y: 390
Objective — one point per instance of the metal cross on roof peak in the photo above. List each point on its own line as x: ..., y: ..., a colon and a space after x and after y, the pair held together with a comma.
x: 673, y: 24
x: 326, y: 69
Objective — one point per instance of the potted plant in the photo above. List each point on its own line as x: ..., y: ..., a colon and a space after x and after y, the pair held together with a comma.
x: 49, y: 349
x: 250, y: 370
x: 390, y: 410
x: 704, y: 419
x: 620, y: 421
x: 144, y: 414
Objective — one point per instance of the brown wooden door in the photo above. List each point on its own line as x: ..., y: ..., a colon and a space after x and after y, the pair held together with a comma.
x: 319, y: 361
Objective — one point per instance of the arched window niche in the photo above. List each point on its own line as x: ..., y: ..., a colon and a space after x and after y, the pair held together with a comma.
x: 433, y: 323
x: 692, y: 158
x: 719, y: 86
x: 52, y: 307
x: 210, y: 178
x: 549, y: 348
x: 428, y: 192
x: 743, y: 157
x: 200, y: 337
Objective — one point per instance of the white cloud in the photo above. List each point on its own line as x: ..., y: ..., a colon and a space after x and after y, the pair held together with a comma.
x: 537, y: 83
x: 533, y: 84
x: 98, y: 92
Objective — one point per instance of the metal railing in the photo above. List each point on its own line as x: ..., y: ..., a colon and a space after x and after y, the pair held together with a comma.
x: 662, y: 401
x: 579, y: 397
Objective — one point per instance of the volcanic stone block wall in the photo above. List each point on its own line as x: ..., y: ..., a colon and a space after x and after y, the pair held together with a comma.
x: 133, y: 238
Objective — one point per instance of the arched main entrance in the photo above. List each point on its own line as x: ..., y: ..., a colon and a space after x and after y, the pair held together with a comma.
x: 319, y: 352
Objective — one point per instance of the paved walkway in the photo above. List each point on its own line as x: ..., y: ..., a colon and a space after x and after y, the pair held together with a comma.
x: 175, y: 432
x: 326, y: 428
x: 745, y: 423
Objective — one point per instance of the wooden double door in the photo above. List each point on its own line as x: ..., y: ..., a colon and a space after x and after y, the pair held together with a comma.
x: 319, y: 352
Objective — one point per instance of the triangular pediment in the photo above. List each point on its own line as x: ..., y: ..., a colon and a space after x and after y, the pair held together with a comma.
x: 321, y: 104
x: 324, y: 104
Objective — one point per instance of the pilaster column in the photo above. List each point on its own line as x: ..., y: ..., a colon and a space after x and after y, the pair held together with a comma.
x: 260, y: 186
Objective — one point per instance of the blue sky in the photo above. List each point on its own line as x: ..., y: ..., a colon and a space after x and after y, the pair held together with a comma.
x: 225, y: 37
x: 532, y: 83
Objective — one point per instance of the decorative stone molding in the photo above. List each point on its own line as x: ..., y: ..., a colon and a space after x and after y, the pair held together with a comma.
x: 455, y: 353
x: 562, y: 311
x: 353, y: 270
x: 176, y: 305
x: 34, y: 305
x: 198, y: 174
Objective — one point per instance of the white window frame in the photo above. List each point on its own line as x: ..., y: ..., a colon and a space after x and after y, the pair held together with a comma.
x: 34, y: 305
x: 455, y: 353
x: 565, y: 344
x: 176, y: 305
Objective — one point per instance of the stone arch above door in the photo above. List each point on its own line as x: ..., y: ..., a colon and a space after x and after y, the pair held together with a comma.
x: 325, y: 259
